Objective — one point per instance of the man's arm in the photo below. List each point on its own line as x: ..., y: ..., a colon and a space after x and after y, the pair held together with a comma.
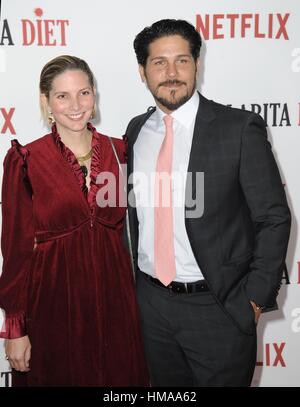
x: 262, y: 186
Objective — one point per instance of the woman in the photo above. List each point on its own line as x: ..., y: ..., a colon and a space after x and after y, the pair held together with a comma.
x: 67, y: 286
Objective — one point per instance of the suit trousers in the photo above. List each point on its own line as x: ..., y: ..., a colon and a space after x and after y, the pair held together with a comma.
x: 190, y: 341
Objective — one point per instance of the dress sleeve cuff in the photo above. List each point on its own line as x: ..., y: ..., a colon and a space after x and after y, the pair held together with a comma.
x: 14, y: 326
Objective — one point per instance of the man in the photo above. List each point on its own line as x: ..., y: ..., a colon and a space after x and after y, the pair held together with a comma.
x: 203, y: 276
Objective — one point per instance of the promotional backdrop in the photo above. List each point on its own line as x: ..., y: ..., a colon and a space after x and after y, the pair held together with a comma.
x: 250, y: 59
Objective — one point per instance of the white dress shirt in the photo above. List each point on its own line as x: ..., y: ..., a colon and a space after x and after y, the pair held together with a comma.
x: 146, y: 151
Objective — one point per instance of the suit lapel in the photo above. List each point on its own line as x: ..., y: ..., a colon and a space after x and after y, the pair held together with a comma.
x: 132, y: 133
x: 202, y: 135
x: 201, y: 146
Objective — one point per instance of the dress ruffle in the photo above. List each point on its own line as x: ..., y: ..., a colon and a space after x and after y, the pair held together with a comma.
x: 24, y: 153
x: 71, y: 159
x: 125, y: 139
x: 96, y: 163
x: 14, y: 326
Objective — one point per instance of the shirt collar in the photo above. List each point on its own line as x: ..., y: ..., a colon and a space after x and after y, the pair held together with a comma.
x: 185, y: 114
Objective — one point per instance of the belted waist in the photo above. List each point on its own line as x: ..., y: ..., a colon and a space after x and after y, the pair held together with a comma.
x: 44, y: 236
x: 180, y: 288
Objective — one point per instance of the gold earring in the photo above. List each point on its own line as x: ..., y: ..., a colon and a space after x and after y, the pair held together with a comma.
x: 51, y: 119
x: 93, y: 114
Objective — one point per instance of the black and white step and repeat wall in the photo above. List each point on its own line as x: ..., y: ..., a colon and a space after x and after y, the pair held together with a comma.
x: 250, y: 59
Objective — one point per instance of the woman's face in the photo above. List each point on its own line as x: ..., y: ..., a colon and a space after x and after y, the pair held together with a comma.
x: 71, y: 101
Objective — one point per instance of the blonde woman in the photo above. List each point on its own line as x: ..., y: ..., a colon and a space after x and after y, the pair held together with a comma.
x: 67, y: 287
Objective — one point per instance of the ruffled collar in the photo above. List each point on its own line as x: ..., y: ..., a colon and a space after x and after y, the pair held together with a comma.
x: 75, y: 166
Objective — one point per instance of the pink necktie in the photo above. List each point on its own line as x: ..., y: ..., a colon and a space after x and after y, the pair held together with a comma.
x: 164, y: 255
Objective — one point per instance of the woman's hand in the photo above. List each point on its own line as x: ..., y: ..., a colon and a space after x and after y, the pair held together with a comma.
x: 18, y: 352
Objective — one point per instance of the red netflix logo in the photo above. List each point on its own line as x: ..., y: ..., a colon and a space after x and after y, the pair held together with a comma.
x: 44, y: 32
x: 273, y: 355
x: 6, y: 117
x: 219, y: 26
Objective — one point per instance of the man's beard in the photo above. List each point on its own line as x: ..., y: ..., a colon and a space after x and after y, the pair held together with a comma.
x: 174, y: 104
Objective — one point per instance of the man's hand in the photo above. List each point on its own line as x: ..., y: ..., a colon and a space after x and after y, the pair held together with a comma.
x: 18, y: 353
x: 257, y: 311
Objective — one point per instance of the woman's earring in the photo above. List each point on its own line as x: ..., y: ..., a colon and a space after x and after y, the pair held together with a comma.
x: 51, y: 119
x: 93, y: 114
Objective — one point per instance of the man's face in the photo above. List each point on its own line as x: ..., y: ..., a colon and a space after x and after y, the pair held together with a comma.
x: 170, y: 72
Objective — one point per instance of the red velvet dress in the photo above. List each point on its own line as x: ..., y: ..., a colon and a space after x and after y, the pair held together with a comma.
x: 74, y: 293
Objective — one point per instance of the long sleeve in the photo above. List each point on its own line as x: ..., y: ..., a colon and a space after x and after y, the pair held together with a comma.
x: 16, y: 242
x: 262, y: 187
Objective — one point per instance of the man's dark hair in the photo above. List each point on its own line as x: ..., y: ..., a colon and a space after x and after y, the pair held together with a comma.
x: 164, y: 28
